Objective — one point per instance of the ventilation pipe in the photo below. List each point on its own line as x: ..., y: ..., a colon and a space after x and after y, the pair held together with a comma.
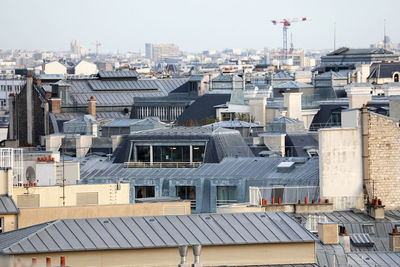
x: 183, y: 252
x: 196, y: 253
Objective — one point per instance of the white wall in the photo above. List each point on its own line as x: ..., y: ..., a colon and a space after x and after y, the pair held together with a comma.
x: 85, y: 68
x: 54, y: 67
x: 340, y: 166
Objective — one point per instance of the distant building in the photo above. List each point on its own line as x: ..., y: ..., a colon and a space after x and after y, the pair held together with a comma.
x: 347, y: 58
x: 77, y: 48
x: 85, y: 68
x: 159, y: 52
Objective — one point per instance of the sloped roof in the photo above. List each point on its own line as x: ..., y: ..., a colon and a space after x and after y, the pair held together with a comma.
x: 118, y: 74
x: 359, y: 51
x: 263, y: 170
x: 283, y: 75
x: 384, y: 70
x: 7, y: 205
x: 202, y: 108
x: 233, y: 124
x: 155, y: 232
x: 227, y: 78
x: 293, y: 84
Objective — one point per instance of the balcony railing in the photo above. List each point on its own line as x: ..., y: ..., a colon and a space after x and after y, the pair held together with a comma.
x: 221, y: 202
x: 162, y: 164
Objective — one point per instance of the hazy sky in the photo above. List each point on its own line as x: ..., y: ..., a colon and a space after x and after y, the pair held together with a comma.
x: 194, y: 25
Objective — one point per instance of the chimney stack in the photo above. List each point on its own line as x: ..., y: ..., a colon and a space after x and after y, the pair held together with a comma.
x: 328, y: 233
x: 394, y: 240
x: 92, y: 107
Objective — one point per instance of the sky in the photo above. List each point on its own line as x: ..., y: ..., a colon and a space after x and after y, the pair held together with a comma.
x: 194, y: 25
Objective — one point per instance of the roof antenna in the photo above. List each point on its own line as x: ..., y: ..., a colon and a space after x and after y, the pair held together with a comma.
x: 334, y: 36
x: 384, y: 35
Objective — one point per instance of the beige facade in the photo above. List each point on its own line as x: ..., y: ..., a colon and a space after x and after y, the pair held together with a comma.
x: 52, y: 196
x: 381, y: 145
x: 32, y: 216
x: 9, y: 222
x: 235, y: 255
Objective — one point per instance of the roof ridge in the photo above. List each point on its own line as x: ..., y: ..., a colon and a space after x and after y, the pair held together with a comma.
x: 45, y: 225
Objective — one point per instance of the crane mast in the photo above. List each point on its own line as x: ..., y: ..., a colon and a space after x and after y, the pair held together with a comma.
x: 286, y: 23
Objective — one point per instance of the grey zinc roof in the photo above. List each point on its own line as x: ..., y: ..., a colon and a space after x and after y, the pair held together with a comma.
x: 283, y: 75
x: 374, y: 259
x: 262, y: 169
x: 154, y: 232
x: 120, y: 92
x: 293, y: 85
x: 120, y: 123
x: 232, y: 124
x: 7, y: 205
x: 118, y: 74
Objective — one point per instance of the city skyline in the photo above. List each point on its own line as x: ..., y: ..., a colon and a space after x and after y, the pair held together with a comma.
x: 127, y: 26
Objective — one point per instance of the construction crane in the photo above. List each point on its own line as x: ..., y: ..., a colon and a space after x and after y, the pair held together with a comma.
x: 98, y: 44
x: 286, y: 23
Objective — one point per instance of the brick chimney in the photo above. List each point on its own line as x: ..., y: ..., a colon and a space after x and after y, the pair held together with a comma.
x: 394, y: 240
x: 92, y: 107
x: 55, y: 105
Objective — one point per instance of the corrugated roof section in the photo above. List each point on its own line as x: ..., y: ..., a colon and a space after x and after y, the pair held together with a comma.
x: 7, y: 205
x: 361, y: 240
x: 155, y: 231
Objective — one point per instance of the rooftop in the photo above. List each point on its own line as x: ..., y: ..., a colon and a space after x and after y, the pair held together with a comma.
x: 154, y: 232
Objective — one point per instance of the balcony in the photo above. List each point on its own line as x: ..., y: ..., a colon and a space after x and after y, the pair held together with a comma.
x: 162, y: 164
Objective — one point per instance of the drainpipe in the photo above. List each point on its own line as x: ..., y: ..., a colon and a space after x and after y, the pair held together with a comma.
x: 365, y: 152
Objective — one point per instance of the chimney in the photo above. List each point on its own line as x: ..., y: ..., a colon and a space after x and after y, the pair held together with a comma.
x: 376, y: 209
x: 394, y: 107
x: 55, y: 105
x: 183, y: 252
x: 92, y: 107
x: 12, y: 120
x: 358, y: 94
x: 346, y: 239
x: 46, y: 117
x: 394, y: 240
x: 292, y: 101
x: 196, y: 253
x: 328, y: 233
x: 29, y: 109
x: 258, y: 109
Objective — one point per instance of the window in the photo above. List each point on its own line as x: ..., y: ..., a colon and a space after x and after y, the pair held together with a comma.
x: 198, y: 153
x: 187, y: 193
x: 171, y: 154
x: 396, y: 78
x: 368, y: 229
x: 144, y: 191
x: 277, y: 192
x: 143, y: 153
x: 1, y: 224
x: 226, y: 195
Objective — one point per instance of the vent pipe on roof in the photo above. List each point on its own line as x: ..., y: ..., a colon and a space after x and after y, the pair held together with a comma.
x: 183, y: 252
x: 196, y: 253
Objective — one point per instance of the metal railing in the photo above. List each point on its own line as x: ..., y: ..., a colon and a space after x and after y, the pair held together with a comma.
x: 221, y: 202
x: 291, y: 194
x: 162, y: 164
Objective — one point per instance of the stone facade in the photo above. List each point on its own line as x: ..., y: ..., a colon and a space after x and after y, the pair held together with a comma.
x: 382, y: 173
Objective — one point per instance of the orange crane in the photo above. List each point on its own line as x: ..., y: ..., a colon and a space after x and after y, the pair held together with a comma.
x: 286, y: 23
